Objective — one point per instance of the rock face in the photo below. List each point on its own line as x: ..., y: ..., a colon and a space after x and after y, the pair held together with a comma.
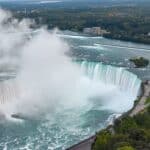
x: 97, y: 31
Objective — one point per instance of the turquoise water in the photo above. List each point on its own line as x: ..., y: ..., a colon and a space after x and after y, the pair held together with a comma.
x: 110, y: 91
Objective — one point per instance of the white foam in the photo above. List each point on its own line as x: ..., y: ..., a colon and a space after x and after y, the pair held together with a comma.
x: 93, y: 47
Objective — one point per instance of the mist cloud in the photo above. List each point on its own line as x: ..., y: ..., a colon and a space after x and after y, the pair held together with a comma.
x: 46, y: 77
x: 46, y: 80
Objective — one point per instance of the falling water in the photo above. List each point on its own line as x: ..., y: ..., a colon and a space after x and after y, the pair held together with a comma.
x: 9, y: 90
x: 125, y: 80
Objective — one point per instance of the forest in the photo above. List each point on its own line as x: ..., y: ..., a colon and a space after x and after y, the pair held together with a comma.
x: 124, y: 23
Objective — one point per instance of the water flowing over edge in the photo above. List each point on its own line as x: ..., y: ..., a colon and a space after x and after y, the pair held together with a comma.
x: 120, y: 77
x: 96, y: 71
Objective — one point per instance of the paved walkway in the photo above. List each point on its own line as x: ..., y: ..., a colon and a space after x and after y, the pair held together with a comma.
x: 141, y: 104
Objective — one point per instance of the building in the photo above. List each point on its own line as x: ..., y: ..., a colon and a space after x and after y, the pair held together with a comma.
x: 97, y: 31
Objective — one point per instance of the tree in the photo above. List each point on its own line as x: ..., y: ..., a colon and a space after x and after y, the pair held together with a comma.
x: 125, y: 125
x: 102, y: 141
x: 125, y: 148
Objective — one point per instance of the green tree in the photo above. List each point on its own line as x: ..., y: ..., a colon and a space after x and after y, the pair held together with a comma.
x: 102, y: 141
x: 125, y: 125
x: 126, y: 148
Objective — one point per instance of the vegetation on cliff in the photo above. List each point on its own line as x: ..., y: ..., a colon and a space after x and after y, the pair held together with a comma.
x: 147, y: 100
x: 130, y: 133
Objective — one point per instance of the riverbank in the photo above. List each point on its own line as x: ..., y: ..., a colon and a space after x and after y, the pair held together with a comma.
x: 139, y: 106
x: 128, y: 39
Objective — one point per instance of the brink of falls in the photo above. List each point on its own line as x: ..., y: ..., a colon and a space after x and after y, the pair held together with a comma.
x: 123, y: 79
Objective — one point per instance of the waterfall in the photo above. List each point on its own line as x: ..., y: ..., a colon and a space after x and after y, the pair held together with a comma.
x: 110, y: 75
x: 8, y: 90
x: 123, y: 79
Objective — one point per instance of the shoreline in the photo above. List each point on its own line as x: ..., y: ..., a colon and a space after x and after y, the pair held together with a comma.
x: 108, y: 38
x: 125, y: 40
x: 113, y: 38
x: 138, y: 107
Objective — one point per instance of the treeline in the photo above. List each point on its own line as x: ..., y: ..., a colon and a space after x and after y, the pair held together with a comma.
x: 129, y: 134
x: 124, y: 23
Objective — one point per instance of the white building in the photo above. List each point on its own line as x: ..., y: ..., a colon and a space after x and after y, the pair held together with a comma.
x: 94, y: 31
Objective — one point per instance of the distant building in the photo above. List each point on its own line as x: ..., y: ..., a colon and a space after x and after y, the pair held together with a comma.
x: 95, y: 31
x: 148, y: 34
x: 87, y: 30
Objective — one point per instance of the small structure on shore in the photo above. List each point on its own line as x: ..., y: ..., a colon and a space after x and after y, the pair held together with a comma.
x: 97, y: 31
